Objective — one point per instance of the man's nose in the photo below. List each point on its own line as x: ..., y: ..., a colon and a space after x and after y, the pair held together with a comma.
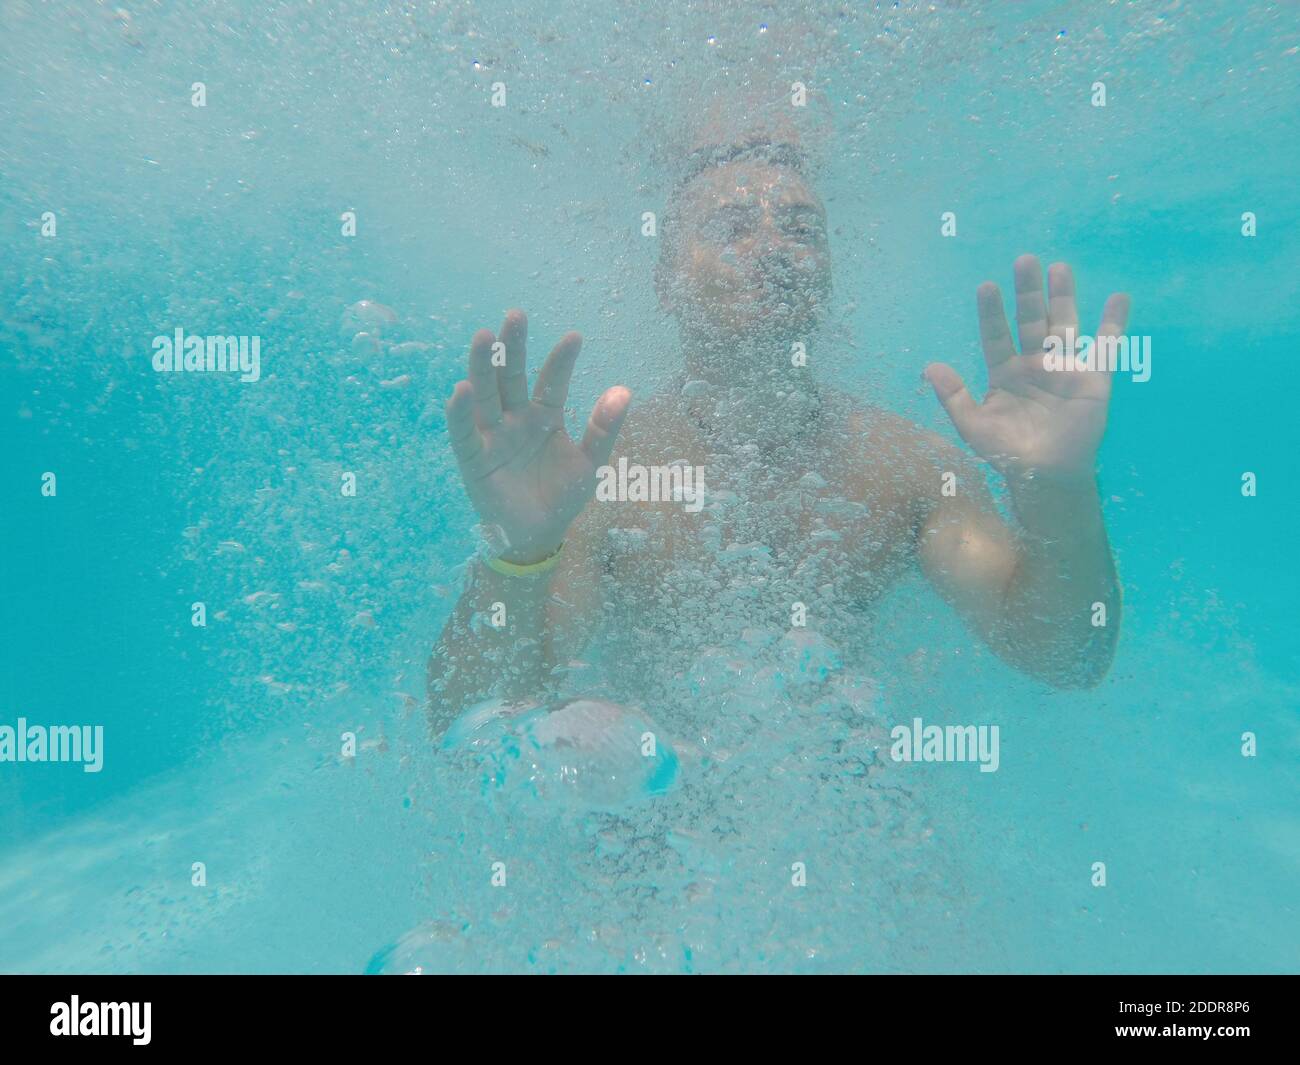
x: 771, y: 241
x: 776, y: 256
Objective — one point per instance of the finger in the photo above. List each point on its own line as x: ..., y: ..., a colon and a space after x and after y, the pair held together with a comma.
x: 1062, y: 309
x: 995, y: 335
x: 552, y: 388
x: 483, y: 380
x: 603, y: 425
x: 1114, y: 316
x: 954, y: 396
x: 1031, y: 311
x: 466, y: 443
x: 513, y: 377
x: 1114, y: 320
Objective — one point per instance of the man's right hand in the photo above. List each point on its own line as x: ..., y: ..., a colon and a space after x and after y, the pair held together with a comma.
x: 521, y: 470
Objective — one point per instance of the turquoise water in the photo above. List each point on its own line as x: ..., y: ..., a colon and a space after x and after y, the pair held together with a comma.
x: 224, y: 744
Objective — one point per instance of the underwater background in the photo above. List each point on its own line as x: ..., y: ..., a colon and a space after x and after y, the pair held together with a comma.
x: 222, y: 742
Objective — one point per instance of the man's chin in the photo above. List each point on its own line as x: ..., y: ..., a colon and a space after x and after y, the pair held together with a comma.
x: 760, y: 322
x: 785, y: 319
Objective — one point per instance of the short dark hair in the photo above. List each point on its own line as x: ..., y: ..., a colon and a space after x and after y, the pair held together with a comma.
x: 778, y: 153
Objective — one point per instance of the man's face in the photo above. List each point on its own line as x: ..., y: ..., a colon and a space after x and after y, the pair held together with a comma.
x: 752, y: 257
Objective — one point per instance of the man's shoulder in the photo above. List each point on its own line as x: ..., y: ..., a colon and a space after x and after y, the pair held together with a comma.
x: 890, y: 457
x: 885, y: 433
x: 662, y: 420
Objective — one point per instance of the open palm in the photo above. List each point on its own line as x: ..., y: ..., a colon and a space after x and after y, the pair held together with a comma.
x: 1033, y: 418
x: 522, y: 472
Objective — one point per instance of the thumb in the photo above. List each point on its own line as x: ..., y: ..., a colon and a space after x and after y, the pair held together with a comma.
x: 952, y: 393
x: 603, y: 425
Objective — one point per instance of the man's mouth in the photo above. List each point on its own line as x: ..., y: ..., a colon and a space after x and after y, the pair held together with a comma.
x: 787, y: 293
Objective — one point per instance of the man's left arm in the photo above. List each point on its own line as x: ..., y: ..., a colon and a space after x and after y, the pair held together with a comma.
x: 1044, y: 596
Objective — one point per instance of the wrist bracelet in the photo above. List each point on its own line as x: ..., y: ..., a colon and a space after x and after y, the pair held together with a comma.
x: 531, y: 569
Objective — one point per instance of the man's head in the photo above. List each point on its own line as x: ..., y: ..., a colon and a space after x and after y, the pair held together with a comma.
x: 744, y: 252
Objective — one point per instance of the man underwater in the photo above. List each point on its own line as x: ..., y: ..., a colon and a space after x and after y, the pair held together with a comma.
x: 816, y: 503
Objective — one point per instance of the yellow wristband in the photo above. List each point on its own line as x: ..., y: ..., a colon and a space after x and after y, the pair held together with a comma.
x: 532, y: 569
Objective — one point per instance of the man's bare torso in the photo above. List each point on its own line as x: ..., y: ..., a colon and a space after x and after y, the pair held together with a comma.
x: 809, y: 526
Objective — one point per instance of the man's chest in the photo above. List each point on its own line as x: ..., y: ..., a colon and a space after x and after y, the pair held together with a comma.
x: 757, y: 551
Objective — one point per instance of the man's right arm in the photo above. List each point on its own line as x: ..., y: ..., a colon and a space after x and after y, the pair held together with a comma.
x: 544, y: 622
x: 530, y: 483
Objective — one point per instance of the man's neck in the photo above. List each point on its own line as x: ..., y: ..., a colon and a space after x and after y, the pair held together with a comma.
x: 749, y: 390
